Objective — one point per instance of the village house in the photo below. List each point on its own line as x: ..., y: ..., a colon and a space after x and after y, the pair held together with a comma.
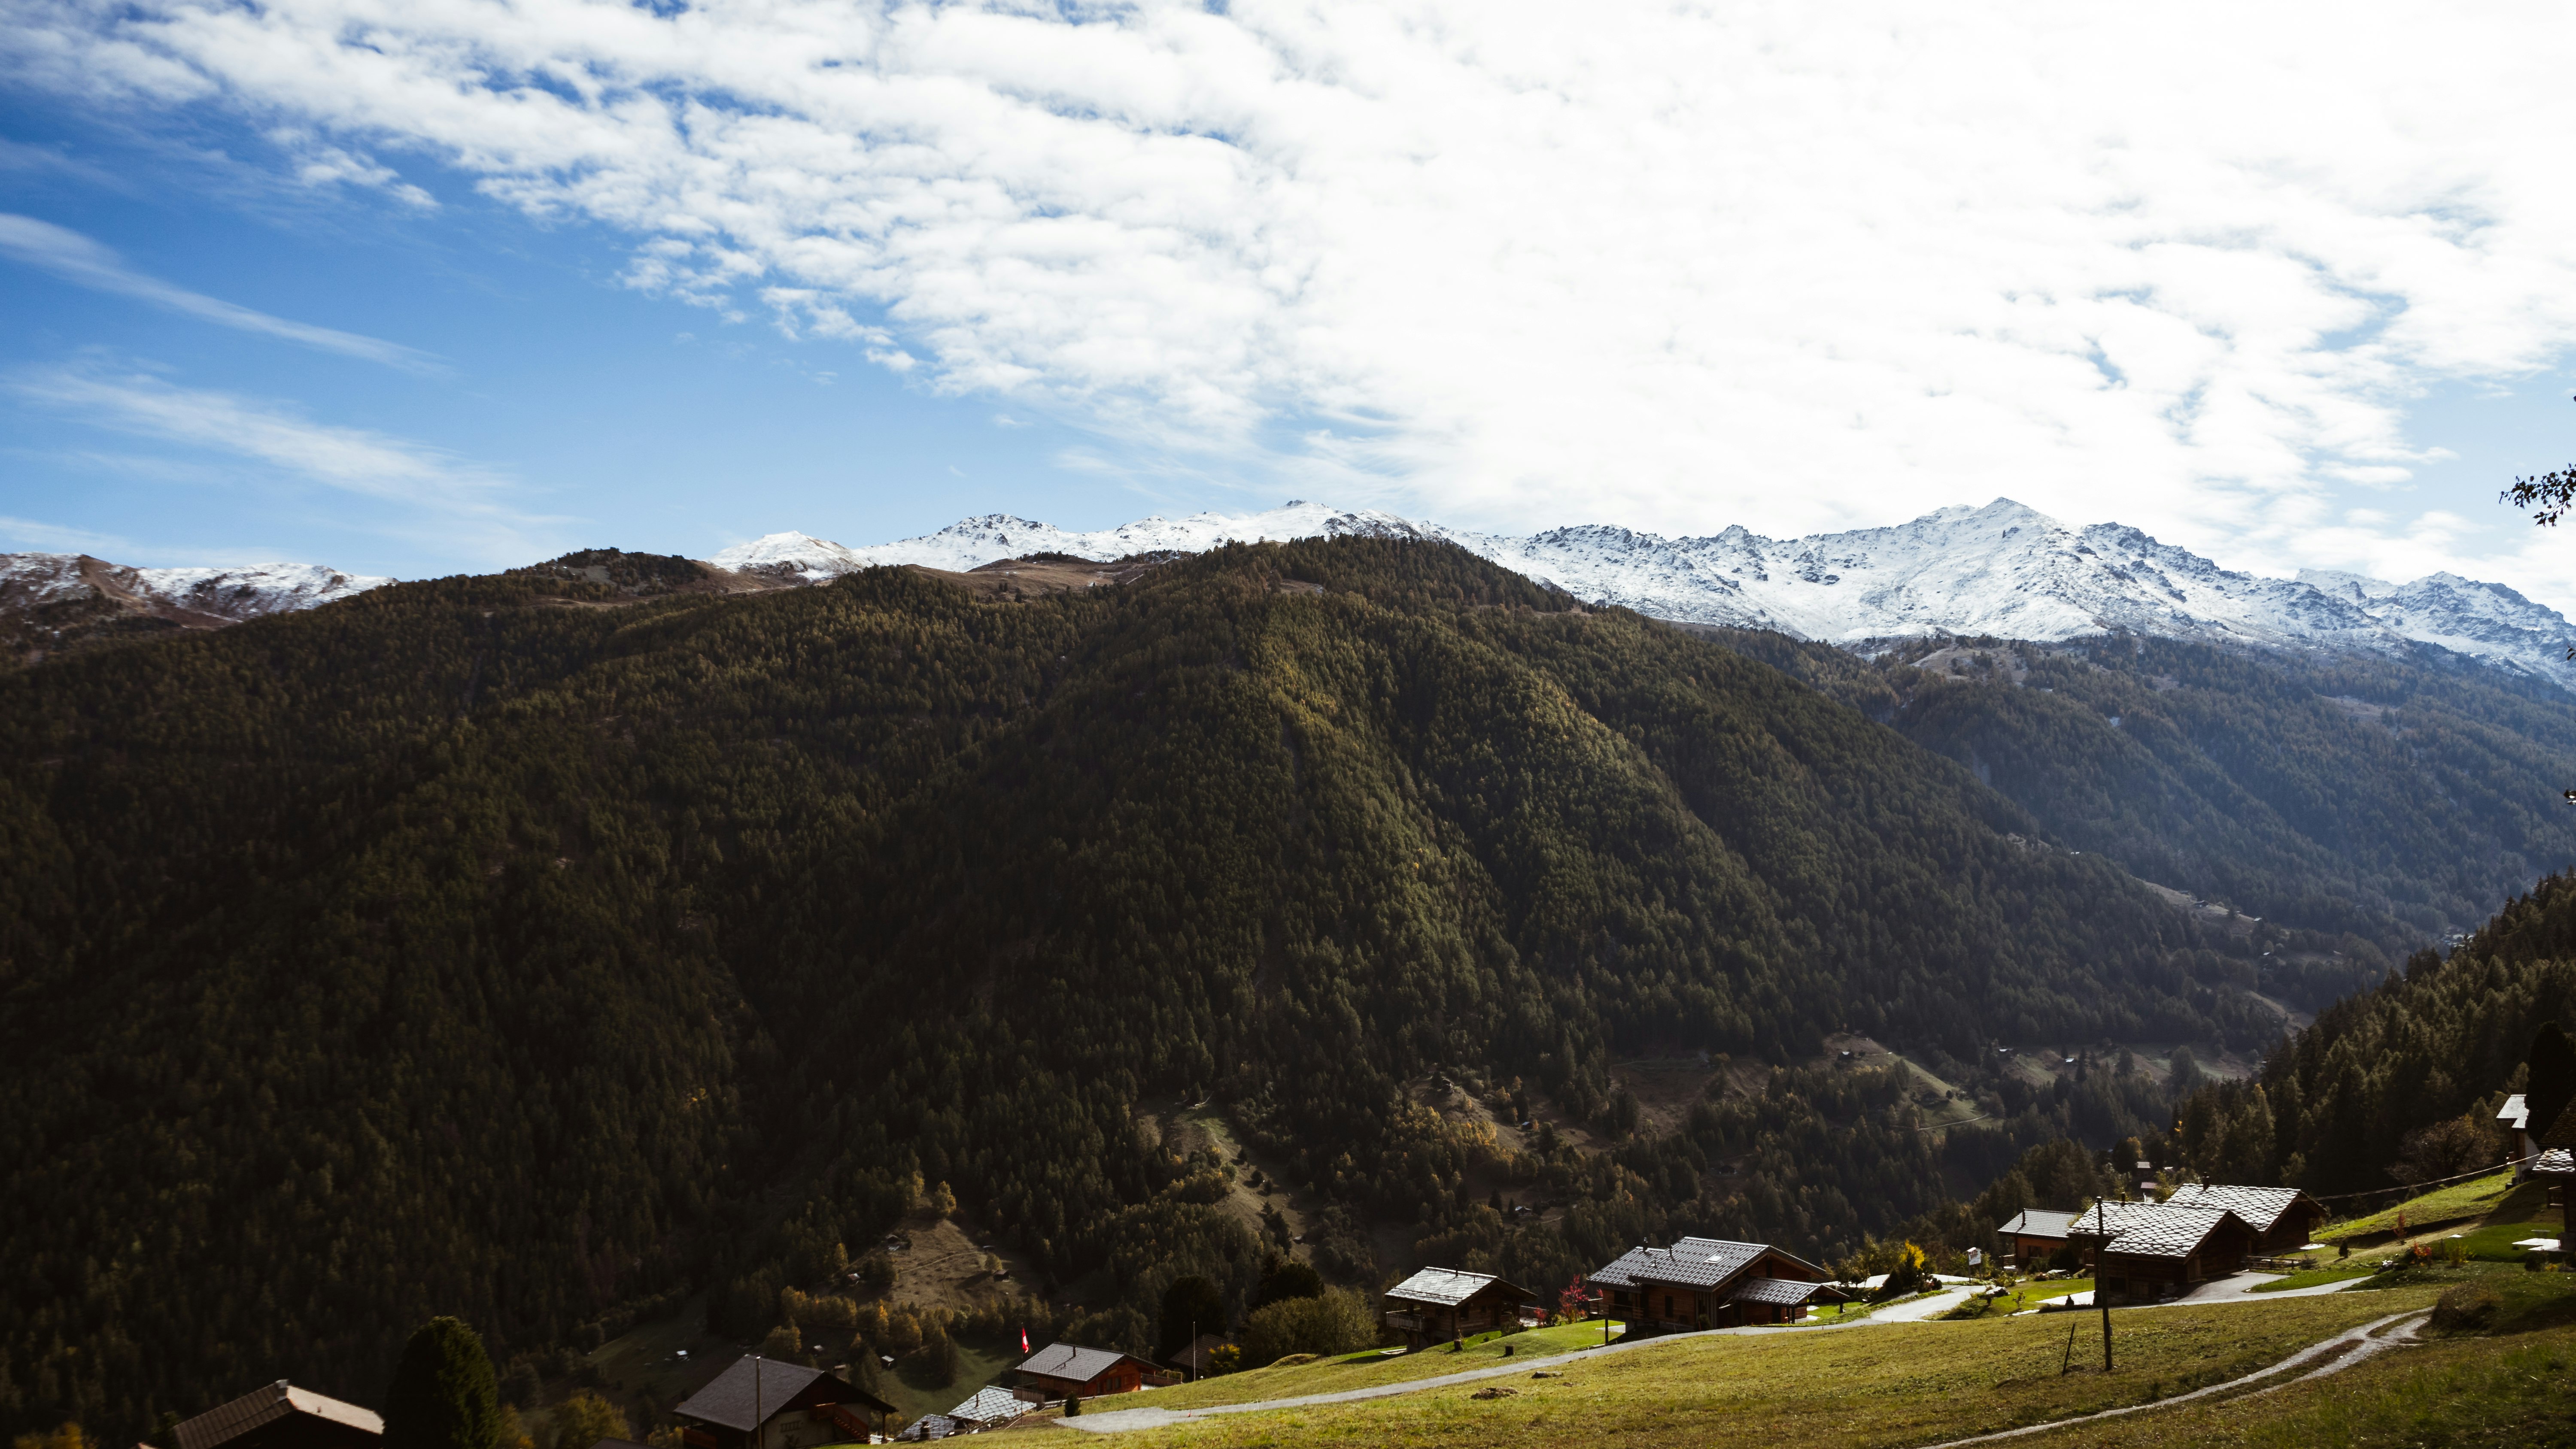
x: 2033, y: 1236
x: 1440, y: 1304
x: 2283, y: 1218
x: 2515, y: 1120
x: 282, y: 1416
x: 2144, y: 1250
x: 1709, y: 1283
x: 763, y: 1403
x: 2555, y: 1164
x: 1062, y: 1369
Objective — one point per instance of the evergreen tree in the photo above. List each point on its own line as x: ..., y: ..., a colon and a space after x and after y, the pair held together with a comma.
x: 443, y: 1395
x: 2553, y: 1076
x: 586, y: 1418
x: 1284, y: 1278
x: 1192, y: 1305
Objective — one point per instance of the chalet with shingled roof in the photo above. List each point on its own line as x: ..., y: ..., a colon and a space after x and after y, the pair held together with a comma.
x: 1440, y: 1304
x: 282, y: 1416
x: 1063, y: 1368
x: 2032, y: 1237
x: 763, y: 1403
x: 1709, y: 1283
x: 2283, y: 1218
x: 2147, y: 1250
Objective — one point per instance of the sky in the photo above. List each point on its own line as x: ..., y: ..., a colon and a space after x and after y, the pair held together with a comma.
x: 450, y: 285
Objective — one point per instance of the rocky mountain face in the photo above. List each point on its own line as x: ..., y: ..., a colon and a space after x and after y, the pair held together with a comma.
x: 53, y: 602
x: 2004, y: 570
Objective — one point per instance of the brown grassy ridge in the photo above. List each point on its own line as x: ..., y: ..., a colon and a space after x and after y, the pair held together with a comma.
x: 1881, y: 1385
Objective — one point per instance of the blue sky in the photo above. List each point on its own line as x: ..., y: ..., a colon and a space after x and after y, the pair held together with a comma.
x: 454, y: 287
x: 605, y: 415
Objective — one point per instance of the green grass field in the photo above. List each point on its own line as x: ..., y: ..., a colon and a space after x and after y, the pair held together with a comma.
x: 2512, y: 1388
x: 1878, y: 1385
x: 2475, y: 1198
x: 2336, y: 1271
x: 1369, y: 1367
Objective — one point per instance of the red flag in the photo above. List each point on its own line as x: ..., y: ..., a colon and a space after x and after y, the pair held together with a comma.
x: 1024, y: 1340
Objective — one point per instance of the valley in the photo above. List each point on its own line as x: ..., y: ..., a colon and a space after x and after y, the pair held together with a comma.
x: 669, y: 944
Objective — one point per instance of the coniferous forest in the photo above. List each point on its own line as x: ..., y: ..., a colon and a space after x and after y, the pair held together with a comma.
x: 550, y: 951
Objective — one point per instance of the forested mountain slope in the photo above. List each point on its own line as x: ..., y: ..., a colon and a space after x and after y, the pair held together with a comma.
x: 512, y: 947
x: 2334, y: 1108
x: 2395, y: 799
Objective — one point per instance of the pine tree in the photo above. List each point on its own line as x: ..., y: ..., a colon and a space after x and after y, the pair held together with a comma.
x: 2553, y: 1076
x: 1192, y: 1305
x: 443, y: 1395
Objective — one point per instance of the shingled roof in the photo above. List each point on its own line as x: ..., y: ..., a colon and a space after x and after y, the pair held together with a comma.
x: 2260, y: 1207
x: 2037, y: 1223
x: 992, y: 1405
x: 1786, y: 1292
x: 1066, y: 1361
x: 2148, y: 1229
x: 1448, y: 1287
x: 727, y: 1399
x: 1690, y: 1263
x: 266, y: 1404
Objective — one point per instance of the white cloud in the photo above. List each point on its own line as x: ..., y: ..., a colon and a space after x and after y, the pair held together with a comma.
x: 434, y: 490
x: 55, y: 538
x: 1520, y: 264
x: 319, y: 164
x: 76, y: 258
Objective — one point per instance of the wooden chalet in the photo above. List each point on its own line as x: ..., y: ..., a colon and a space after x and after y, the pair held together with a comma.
x: 2147, y: 1250
x: 763, y: 1403
x: 1440, y: 1304
x: 2556, y: 1163
x: 282, y: 1416
x: 1710, y: 1283
x: 1062, y: 1368
x: 2284, y: 1219
x: 2031, y: 1237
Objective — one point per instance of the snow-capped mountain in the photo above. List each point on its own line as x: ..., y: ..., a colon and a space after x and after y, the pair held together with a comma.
x: 970, y: 542
x: 50, y: 601
x: 232, y: 594
x: 2004, y: 569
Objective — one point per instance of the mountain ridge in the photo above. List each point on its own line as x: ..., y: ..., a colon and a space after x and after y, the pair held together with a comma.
x: 2003, y: 570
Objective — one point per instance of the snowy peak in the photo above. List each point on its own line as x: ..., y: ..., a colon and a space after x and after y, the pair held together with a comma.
x: 52, y: 601
x: 2004, y: 569
x: 228, y: 594
x: 971, y: 542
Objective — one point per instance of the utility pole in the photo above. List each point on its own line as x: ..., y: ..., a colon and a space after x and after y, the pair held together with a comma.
x: 755, y: 1401
x: 2106, y: 1320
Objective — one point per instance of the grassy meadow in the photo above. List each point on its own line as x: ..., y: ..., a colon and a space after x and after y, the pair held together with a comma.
x: 1879, y: 1385
x: 2478, y: 1197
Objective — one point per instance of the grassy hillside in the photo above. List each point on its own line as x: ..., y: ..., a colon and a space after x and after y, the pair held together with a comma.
x: 1896, y: 1384
x: 546, y: 949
